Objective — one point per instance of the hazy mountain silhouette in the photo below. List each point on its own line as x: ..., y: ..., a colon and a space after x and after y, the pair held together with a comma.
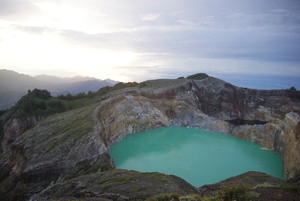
x: 14, y: 85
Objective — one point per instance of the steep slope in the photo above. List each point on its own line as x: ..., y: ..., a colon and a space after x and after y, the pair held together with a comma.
x: 75, y: 143
x: 207, y: 104
x: 62, y: 146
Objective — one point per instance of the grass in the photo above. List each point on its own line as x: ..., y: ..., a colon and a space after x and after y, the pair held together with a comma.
x: 77, y: 124
x: 238, y: 192
x: 120, y: 181
x: 165, y: 197
x: 198, y: 76
x: 136, y: 190
x: 289, y: 187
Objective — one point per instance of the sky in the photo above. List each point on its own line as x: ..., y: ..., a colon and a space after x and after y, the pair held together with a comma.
x: 249, y: 43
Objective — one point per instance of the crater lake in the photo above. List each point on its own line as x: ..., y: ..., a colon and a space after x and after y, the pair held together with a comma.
x: 200, y: 157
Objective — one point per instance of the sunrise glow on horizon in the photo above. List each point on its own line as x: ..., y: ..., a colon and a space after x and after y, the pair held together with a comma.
x: 241, y: 41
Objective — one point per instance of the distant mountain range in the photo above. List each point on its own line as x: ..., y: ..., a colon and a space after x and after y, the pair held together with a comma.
x: 14, y: 85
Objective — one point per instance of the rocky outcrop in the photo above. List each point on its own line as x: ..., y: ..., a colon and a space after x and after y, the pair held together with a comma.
x: 207, y: 104
x: 16, y: 127
x: 61, y: 147
x: 116, y: 185
x: 76, y: 143
x: 281, y: 136
x: 251, y: 186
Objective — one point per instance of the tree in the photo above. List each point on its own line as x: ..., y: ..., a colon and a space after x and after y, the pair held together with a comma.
x: 90, y: 94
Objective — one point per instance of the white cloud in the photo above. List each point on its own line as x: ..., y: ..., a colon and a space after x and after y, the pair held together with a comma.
x: 186, y: 22
x: 150, y: 17
x: 177, y: 12
x: 280, y: 11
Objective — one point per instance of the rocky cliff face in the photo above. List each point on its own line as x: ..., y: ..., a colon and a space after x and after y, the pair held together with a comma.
x: 61, y: 147
x: 75, y: 143
x: 207, y: 104
x: 16, y: 127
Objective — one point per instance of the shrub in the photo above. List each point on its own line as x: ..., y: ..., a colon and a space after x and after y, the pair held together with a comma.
x: 38, y: 93
x: 238, y: 192
x: 164, y: 197
x: 198, y: 76
x: 57, y: 105
x: 289, y: 187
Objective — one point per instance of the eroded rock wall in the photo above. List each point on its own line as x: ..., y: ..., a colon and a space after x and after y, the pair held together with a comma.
x: 16, y: 127
x: 59, y: 148
x: 140, y: 110
x: 206, y: 104
x: 281, y: 136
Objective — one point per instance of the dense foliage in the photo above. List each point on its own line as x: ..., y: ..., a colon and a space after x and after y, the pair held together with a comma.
x: 38, y: 102
x: 198, y: 76
x: 118, y: 86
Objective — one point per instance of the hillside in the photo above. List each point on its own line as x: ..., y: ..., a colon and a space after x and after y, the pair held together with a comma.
x: 9, y: 97
x: 19, y: 82
x: 59, y: 80
x: 65, y: 155
x: 13, y: 85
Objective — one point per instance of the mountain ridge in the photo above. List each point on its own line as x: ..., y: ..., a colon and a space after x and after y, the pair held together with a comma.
x: 14, y: 85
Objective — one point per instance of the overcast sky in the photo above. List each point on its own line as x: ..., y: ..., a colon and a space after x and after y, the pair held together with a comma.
x: 251, y: 43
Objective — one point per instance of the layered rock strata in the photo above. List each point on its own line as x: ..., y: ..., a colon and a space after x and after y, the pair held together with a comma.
x: 207, y: 104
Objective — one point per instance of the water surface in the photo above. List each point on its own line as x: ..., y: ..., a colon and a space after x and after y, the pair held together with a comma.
x: 200, y: 157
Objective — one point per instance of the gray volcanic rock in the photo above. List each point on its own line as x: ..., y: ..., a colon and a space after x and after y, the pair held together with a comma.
x: 75, y: 143
x: 281, y: 136
x: 60, y: 147
x: 117, y: 185
x: 16, y: 127
x: 207, y: 104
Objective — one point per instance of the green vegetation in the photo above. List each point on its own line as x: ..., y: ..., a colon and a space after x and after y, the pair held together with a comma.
x: 37, y: 102
x: 114, y: 182
x: 40, y: 102
x: 118, y: 86
x: 70, y: 175
x: 198, y: 76
x: 238, y: 192
x: 289, y: 187
x: 165, y: 197
x: 136, y: 190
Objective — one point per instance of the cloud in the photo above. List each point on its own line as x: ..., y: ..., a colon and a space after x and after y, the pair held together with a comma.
x: 186, y: 22
x: 175, y: 13
x: 264, y: 44
x: 165, y: 37
x: 36, y: 30
x: 280, y: 11
x: 18, y: 9
x: 150, y: 17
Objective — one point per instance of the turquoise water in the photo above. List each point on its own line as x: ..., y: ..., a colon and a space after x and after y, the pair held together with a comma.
x: 200, y: 157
